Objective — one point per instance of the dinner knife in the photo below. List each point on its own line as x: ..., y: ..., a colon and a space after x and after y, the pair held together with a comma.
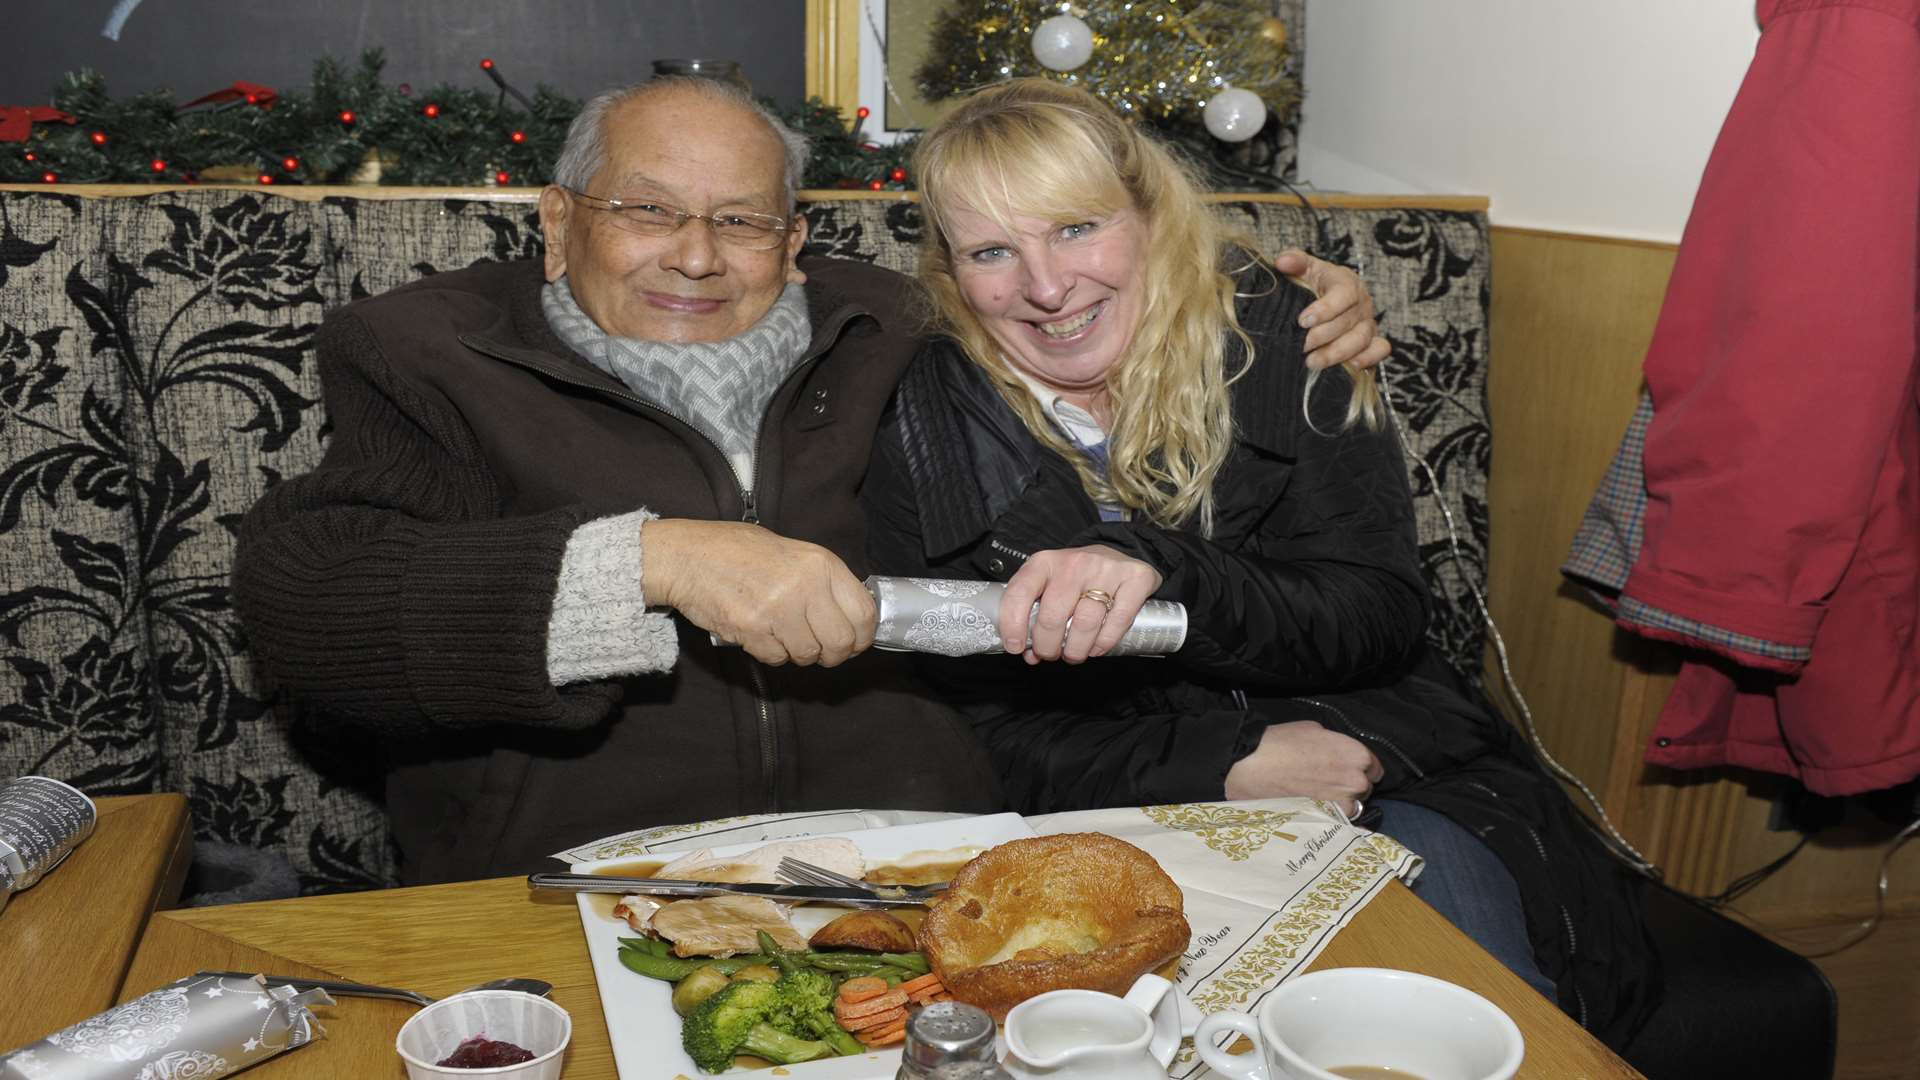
x: 793, y: 894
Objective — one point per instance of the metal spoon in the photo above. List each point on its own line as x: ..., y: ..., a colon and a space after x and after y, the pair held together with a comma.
x: 536, y: 987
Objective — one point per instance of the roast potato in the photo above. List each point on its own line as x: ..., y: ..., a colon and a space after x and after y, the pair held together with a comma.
x: 875, y: 931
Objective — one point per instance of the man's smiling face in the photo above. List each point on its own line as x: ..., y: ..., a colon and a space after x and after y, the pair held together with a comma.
x: 678, y: 149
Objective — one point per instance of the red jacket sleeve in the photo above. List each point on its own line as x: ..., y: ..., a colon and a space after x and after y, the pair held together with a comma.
x: 1784, y: 354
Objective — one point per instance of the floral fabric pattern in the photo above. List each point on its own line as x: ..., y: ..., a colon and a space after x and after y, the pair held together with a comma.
x: 157, y: 375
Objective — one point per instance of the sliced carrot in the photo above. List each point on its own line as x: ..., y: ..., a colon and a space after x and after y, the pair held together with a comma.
x: 914, y: 985
x: 876, y: 1021
x: 857, y: 990
x: 892, y: 999
x: 895, y: 1035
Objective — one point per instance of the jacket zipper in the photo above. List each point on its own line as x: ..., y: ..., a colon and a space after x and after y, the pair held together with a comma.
x: 1566, y: 919
x: 1359, y: 733
x: 749, y: 512
x: 1004, y: 549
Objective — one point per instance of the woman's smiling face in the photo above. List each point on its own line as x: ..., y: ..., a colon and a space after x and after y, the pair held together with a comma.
x: 1060, y: 298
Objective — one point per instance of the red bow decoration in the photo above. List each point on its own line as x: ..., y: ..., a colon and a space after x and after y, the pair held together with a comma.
x: 251, y: 93
x: 16, y: 121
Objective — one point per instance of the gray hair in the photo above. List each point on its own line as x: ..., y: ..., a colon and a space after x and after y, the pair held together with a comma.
x: 585, y: 152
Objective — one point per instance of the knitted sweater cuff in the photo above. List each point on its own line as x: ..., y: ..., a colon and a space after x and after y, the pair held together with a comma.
x: 601, y: 627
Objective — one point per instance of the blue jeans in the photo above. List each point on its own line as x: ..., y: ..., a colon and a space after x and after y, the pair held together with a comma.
x: 1466, y: 882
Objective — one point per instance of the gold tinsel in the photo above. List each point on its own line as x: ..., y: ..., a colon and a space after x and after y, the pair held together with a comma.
x: 1159, y: 59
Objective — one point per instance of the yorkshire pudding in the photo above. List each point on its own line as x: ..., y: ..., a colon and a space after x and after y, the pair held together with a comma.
x: 1076, y: 910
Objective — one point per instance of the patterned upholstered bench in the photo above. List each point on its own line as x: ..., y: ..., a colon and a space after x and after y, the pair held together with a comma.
x: 156, y: 376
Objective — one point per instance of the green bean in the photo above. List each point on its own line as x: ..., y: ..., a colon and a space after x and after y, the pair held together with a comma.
x: 665, y: 968
x: 857, y: 963
x: 653, y: 946
x: 730, y: 964
x: 912, y: 961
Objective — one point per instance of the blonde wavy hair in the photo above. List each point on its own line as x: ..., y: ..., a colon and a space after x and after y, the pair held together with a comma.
x: 1036, y: 148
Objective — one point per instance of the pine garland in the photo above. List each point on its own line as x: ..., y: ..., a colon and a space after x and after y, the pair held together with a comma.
x: 349, y: 126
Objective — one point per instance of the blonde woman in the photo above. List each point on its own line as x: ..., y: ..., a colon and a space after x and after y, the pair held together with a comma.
x: 1116, y: 411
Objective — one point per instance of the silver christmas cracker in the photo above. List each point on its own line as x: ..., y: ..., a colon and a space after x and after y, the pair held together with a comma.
x: 41, y: 821
x: 962, y: 618
x: 200, y: 1028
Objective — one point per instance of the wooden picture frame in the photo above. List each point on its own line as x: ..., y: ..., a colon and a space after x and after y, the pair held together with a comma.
x: 833, y: 52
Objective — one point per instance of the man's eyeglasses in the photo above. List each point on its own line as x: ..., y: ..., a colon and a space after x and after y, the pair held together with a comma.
x: 753, y: 232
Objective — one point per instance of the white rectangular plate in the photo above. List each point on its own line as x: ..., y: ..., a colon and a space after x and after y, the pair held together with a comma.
x: 640, y: 1018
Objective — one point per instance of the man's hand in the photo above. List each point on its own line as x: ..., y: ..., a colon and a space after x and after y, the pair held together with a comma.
x: 782, y: 600
x: 1061, y: 580
x: 1303, y: 758
x: 1340, y: 326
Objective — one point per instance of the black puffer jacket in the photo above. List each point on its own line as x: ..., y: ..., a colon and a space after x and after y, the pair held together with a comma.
x: 1306, y: 603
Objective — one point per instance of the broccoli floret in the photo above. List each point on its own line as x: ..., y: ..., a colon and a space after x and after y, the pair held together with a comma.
x: 742, y: 1018
x: 777, y: 1046
x: 806, y: 1009
x: 803, y: 995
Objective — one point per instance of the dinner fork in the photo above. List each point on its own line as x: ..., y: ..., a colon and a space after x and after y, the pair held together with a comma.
x: 801, y: 872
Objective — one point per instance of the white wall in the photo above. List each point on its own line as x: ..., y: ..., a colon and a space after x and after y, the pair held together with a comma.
x: 1582, y: 117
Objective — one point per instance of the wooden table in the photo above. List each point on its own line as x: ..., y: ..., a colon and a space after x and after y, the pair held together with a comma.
x: 65, y: 943
x: 444, y: 938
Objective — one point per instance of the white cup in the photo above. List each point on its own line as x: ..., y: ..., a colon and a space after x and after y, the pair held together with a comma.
x: 526, y: 1020
x: 1418, y: 1027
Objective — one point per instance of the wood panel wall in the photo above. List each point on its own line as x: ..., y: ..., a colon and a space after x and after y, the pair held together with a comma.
x: 1571, y: 319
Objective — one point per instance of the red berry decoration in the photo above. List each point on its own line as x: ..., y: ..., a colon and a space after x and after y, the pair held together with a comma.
x: 486, y: 63
x: 518, y: 136
x: 266, y: 178
x: 290, y: 163
x: 876, y: 185
x: 99, y: 138
x: 863, y: 112
x: 431, y: 110
x: 253, y: 99
x: 48, y: 178
x: 897, y: 175
x: 346, y: 116
x: 31, y: 156
x: 157, y: 165
x: 501, y: 178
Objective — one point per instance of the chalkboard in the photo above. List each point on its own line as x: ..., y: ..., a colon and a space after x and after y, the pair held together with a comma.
x: 578, y: 47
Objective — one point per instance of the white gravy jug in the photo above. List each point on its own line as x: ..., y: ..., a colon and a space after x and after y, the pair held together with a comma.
x: 1088, y: 1035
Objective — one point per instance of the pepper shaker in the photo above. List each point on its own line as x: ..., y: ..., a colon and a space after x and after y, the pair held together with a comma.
x: 950, y: 1040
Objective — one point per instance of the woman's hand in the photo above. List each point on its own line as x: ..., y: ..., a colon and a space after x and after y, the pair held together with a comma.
x: 1302, y: 758
x: 1340, y: 326
x: 1096, y: 588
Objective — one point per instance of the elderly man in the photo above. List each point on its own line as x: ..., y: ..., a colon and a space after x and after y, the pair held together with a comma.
x: 545, y: 493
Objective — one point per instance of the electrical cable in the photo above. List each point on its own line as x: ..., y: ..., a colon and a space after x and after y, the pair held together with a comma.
x: 1871, y: 923
x: 1613, y: 836
x: 1739, y: 886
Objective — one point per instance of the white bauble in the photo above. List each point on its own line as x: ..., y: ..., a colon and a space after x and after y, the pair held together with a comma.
x: 1063, y: 43
x: 1235, y: 115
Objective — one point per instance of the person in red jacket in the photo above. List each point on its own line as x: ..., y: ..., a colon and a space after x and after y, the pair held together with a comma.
x: 1777, y: 530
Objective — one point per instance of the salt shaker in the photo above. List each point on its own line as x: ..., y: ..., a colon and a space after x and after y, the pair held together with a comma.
x: 947, y: 1036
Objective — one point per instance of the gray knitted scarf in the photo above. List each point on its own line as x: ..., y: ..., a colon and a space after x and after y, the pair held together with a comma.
x: 722, y: 388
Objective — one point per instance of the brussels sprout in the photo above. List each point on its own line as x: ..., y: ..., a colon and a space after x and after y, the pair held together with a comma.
x: 701, y: 984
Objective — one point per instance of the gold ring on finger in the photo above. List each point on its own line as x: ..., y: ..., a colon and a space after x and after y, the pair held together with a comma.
x: 1098, y: 596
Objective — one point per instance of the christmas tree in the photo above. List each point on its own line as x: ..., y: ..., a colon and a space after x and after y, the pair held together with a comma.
x: 1215, y: 77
